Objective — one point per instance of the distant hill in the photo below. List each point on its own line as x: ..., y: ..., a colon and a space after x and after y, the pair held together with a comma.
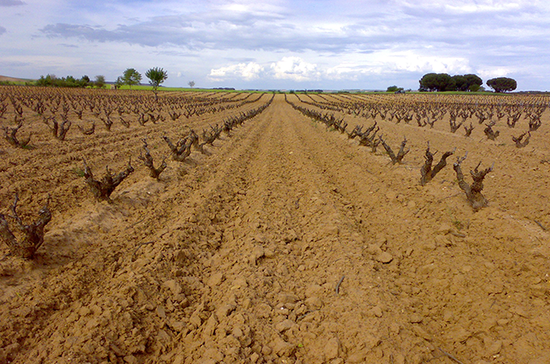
x: 12, y: 79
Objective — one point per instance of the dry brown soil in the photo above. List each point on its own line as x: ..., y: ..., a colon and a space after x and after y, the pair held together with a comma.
x: 287, y: 243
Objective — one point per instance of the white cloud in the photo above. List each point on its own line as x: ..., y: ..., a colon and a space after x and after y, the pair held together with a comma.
x: 247, y: 71
x: 412, y: 61
x: 472, y: 6
x: 391, y: 62
x: 295, y: 68
x: 488, y: 73
x: 287, y: 68
x: 353, y: 67
x: 344, y: 72
x: 258, y: 8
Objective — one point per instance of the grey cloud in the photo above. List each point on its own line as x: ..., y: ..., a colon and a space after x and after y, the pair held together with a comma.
x: 228, y: 33
x: 488, y: 18
x: 11, y: 3
x: 240, y: 59
x: 2, y: 30
x: 173, y: 31
x: 247, y: 30
x: 147, y: 34
x: 434, y: 29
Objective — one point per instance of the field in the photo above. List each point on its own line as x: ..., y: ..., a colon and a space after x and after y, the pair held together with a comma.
x: 12, y: 80
x: 284, y: 240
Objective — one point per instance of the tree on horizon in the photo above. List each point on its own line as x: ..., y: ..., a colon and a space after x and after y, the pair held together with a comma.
x: 502, y: 84
x: 156, y: 75
x: 131, y: 77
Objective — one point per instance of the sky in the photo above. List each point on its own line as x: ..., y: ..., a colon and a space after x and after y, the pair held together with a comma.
x: 279, y: 44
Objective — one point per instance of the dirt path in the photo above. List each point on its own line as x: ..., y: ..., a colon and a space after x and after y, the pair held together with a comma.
x: 287, y: 243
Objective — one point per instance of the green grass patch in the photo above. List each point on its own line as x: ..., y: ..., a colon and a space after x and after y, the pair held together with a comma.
x: 78, y: 171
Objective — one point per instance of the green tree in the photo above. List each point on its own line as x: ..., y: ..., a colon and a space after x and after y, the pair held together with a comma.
x: 119, y: 82
x: 461, y: 84
x: 469, y: 82
x: 49, y: 80
x: 99, y: 81
x: 394, y: 89
x: 156, y: 76
x: 437, y: 82
x: 85, y: 81
x: 131, y: 77
x: 474, y: 82
x: 502, y: 84
x: 69, y: 81
x: 191, y: 84
x: 475, y: 88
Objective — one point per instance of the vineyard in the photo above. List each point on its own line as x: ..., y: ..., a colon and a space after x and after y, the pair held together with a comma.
x: 219, y: 227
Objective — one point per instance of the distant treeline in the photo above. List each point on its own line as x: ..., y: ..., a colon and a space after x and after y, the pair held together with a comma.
x: 445, y: 82
x: 14, y: 83
x: 70, y: 81
x: 306, y: 91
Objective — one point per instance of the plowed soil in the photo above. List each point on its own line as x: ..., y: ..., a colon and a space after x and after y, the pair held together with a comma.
x: 286, y: 243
